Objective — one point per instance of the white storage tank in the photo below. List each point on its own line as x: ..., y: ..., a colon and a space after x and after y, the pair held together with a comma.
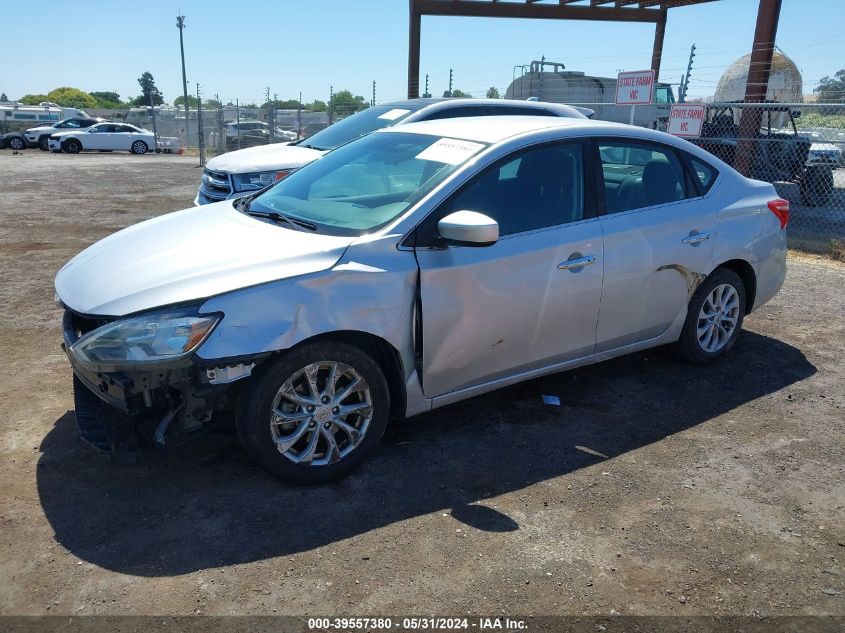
x: 785, y: 82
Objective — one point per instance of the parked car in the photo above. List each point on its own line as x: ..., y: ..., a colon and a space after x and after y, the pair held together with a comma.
x: 410, y: 269
x: 104, y: 137
x: 780, y: 155
x: 38, y: 136
x: 13, y: 140
x: 823, y: 152
x: 238, y: 173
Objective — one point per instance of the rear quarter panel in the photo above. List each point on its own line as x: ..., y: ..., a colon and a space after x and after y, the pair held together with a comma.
x: 748, y: 230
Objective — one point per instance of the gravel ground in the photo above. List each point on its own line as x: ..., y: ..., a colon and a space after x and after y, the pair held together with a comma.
x: 655, y: 488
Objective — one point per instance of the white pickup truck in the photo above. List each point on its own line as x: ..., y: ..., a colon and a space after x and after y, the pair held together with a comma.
x: 245, y: 171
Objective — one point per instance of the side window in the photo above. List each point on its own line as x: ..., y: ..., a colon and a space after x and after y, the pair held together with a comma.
x: 535, y: 188
x: 458, y: 112
x: 703, y: 173
x: 640, y: 175
x: 518, y: 111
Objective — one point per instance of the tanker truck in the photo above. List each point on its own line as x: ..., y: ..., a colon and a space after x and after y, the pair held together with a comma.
x: 550, y: 81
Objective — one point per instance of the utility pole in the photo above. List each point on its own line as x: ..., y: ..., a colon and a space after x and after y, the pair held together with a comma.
x: 201, y: 140
x: 426, y: 94
x: 373, y: 102
x: 682, y: 91
x: 299, y: 116
x: 331, y: 99
x: 540, y: 88
x: 238, y: 119
x: 450, y: 83
x: 180, y: 24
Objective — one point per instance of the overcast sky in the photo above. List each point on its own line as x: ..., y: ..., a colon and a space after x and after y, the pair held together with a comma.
x: 237, y: 49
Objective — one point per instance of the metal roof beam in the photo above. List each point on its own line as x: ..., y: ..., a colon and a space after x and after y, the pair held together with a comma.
x: 541, y: 11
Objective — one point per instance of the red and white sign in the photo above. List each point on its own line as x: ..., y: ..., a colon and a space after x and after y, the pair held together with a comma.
x: 635, y: 88
x: 686, y: 120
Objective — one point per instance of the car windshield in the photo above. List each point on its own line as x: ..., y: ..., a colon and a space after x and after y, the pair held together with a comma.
x: 364, y: 122
x: 364, y: 185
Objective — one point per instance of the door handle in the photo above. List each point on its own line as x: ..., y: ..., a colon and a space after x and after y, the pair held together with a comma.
x: 696, y: 238
x: 578, y: 262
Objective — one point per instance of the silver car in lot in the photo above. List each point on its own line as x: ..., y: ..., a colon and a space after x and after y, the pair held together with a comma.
x: 412, y: 268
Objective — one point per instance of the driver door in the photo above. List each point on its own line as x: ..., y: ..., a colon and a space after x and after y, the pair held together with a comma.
x: 520, y: 304
x: 95, y: 138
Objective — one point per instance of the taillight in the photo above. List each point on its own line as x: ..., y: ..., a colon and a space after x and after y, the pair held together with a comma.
x: 780, y: 208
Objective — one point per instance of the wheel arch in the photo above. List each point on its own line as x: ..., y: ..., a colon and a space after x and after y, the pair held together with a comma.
x: 382, y: 352
x: 748, y: 276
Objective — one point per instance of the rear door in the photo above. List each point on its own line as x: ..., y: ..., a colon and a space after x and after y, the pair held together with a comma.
x: 658, y: 240
x: 531, y: 299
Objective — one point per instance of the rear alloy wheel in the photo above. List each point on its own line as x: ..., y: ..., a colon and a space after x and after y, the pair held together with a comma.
x: 73, y: 146
x: 139, y: 147
x: 315, y: 413
x: 714, y: 318
x: 16, y: 143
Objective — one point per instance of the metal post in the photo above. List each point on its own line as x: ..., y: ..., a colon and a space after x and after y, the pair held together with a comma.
x: 331, y: 99
x: 153, y: 115
x: 426, y: 94
x: 200, y: 139
x: 180, y: 24
x: 413, y: 52
x: 757, y: 84
x: 373, y: 102
x: 299, y: 116
x: 657, y: 50
x: 238, y: 117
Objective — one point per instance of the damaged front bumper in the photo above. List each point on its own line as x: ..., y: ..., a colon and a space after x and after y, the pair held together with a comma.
x: 122, y: 408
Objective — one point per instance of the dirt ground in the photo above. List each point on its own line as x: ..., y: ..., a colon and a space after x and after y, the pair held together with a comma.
x: 655, y: 488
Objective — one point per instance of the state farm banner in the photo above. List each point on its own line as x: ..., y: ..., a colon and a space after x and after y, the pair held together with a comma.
x: 635, y: 87
x: 686, y: 119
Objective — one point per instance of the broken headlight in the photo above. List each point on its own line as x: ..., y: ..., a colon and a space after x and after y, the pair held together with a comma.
x: 158, y: 336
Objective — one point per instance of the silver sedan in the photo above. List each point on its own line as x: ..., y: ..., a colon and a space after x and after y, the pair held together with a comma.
x: 410, y: 269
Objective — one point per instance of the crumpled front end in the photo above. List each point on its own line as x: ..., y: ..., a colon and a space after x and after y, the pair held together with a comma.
x: 122, y: 407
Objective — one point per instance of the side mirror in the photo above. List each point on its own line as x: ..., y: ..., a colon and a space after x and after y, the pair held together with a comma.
x: 469, y: 228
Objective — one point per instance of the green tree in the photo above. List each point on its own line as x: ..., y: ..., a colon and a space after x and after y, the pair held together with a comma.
x: 180, y: 101
x: 71, y: 98
x: 832, y: 89
x: 316, y: 106
x: 3, y: 97
x: 107, y: 99
x: 286, y: 104
x: 493, y: 93
x: 150, y: 94
x: 461, y: 93
x: 33, y: 99
x: 345, y: 103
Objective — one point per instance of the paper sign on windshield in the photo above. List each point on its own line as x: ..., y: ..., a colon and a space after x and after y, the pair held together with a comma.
x: 686, y: 120
x: 451, y: 151
x: 392, y: 115
x: 635, y: 88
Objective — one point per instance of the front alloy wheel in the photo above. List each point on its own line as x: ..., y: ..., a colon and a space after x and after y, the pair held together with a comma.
x: 321, y: 413
x: 314, y: 413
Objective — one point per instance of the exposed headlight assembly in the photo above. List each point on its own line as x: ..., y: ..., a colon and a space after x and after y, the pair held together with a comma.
x: 154, y: 337
x: 259, y: 180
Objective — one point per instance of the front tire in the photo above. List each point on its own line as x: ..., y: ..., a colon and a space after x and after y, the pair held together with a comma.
x: 714, y: 318
x: 139, y: 147
x: 73, y: 146
x: 16, y: 143
x: 315, y: 413
x: 44, y: 143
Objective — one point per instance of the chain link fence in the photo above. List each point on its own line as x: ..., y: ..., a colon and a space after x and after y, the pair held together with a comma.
x: 797, y: 147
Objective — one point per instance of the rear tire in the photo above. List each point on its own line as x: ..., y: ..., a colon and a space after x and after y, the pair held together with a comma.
x: 714, y: 318
x: 139, y: 147
x: 73, y: 146
x: 16, y: 143
x: 305, y: 443
x: 817, y: 186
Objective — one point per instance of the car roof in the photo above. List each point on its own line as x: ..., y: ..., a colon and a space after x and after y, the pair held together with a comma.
x: 435, y: 104
x: 493, y: 129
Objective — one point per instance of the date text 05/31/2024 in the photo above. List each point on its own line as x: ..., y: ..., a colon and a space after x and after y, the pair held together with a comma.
x: 416, y: 624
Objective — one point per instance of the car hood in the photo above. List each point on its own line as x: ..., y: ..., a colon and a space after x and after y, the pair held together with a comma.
x: 264, y: 158
x: 189, y: 255
x: 67, y: 132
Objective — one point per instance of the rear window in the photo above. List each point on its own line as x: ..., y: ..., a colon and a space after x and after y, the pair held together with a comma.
x: 703, y: 173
